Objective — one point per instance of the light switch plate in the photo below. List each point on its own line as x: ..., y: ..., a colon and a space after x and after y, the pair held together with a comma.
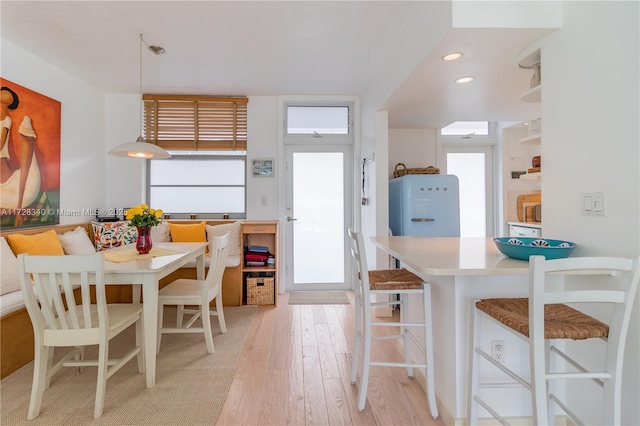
x: 594, y: 204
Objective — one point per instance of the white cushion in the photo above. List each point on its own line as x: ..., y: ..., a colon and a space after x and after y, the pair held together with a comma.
x: 161, y: 233
x: 234, y: 234
x: 9, y: 280
x: 232, y: 262
x: 76, y: 242
x: 11, y: 302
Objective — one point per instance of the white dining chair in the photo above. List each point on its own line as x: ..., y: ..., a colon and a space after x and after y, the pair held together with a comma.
x: 544, y: 318
x: 64, y: 316
x: 389, y: 282
x: 192, y: 292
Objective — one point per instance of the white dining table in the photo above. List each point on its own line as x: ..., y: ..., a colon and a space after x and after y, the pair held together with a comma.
x: 145, y: 274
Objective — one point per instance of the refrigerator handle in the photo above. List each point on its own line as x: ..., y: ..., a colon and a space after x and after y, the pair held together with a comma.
x: 422, y: 219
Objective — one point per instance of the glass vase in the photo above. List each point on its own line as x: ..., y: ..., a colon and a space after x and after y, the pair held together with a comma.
x: 144, y: 244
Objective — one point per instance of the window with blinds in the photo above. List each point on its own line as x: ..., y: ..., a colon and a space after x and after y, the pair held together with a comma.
x: 196, y: 123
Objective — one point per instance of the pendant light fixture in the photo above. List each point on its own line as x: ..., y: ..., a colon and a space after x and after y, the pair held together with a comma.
x: 140, y: 148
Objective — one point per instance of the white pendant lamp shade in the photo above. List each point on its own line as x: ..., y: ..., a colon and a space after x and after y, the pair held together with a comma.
x: 139, y: 149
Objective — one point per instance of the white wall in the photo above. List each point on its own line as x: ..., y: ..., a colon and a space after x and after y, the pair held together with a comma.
x: 82, y: 139
x: 126, y: 177
x: 590, y: 110
x: 262, y: 142
x: 413, y: 147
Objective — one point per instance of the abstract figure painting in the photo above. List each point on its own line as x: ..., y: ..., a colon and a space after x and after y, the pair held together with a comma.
x: 29, y: 157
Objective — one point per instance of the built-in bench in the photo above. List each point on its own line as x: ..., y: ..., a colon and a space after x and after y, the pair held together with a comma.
x: 16, y: 332
x: 232, y: 278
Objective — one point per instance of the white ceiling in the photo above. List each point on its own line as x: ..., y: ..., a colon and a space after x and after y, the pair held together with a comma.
x: 274, y: 48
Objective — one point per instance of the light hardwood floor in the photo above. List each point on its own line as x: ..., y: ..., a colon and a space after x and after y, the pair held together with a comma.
x: 294, y: 370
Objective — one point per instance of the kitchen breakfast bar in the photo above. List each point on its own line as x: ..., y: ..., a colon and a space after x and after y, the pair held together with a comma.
x: 459, y: 271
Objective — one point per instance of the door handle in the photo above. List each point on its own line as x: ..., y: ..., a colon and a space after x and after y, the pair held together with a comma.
x: 289, y: 219
x: 422, y: 219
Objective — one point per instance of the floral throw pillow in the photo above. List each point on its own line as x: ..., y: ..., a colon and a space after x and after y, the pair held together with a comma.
x: 113, y: 234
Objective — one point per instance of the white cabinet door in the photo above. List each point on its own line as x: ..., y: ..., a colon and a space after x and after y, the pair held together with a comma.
x: 524, y: 231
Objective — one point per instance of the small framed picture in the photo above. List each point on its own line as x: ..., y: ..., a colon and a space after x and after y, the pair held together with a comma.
x: 262, y: 167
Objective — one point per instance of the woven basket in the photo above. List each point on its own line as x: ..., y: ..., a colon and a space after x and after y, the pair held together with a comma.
x: 401, y: 170
x: 260, y: 291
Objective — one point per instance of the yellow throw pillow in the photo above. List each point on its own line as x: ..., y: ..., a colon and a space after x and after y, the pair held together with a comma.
x: 188, y: 233
x: 43, y: 243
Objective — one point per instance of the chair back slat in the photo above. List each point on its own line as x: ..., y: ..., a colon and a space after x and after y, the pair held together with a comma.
x: 219, y: 254
x: 584, y: 296
x: 47, y: 297
x: 67, y: 290
x: 360, y: 269
x: 56, y: 280
x: 85, y: 290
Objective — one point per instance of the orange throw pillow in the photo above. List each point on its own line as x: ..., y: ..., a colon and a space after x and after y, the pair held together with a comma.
x: 37, y: 244
x: 188, y: 233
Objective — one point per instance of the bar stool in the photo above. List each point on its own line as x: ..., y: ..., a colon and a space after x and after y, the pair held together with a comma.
x: 388, y: 282
x: 544, y: 317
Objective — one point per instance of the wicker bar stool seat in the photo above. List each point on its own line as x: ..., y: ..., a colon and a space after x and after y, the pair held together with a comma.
x: 560, y: 321
x: 390, y: 279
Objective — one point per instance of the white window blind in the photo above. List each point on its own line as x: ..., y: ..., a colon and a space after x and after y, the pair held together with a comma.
x: 196, y: 123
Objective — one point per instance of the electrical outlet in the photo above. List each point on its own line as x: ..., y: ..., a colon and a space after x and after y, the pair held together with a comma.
x: 497, y: 350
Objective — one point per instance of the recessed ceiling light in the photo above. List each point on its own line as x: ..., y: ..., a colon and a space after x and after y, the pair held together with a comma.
x: 463, y: 80
x: 452, y: 56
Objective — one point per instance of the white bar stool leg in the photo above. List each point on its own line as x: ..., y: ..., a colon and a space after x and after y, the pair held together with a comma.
x: 428, y: 351
x: 366, y: 360
x: 357, y: 339
x: 404, y: 317
x: 474, y: 339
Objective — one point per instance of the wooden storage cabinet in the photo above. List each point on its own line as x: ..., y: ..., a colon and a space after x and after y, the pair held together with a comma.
x: 266, y: 276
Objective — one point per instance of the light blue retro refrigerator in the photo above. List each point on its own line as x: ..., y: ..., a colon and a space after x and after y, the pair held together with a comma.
x: 424, y: 205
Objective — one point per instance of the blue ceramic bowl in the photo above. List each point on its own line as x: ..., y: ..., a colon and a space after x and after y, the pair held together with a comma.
x: 521, y: 248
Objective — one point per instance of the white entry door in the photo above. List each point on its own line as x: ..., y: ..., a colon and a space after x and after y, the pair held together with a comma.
x: 318, y: 210
x: 473, y: 165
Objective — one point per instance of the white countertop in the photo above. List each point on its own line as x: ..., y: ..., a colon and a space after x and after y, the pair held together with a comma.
x: 451, y: 256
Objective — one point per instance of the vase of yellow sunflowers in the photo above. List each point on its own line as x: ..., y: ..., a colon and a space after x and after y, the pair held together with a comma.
x: 143, y: 218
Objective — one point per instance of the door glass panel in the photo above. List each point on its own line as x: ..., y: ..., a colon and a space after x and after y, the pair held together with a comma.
x: 318, y: 206
x: 470, y: 169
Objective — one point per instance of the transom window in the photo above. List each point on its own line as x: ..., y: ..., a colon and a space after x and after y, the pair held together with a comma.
x: 466, y: 128
x: 317, y: 120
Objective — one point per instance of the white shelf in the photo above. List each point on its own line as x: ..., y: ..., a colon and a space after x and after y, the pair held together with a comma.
x: 531, y: 176
x: 532, y: 95
x: 531, y: 140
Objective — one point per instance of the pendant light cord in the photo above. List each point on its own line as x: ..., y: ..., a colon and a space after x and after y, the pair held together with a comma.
x: 140, y: 89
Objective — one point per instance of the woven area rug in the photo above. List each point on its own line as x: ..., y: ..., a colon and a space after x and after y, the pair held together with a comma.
x: 191, y: 384
x: 318, y: 298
